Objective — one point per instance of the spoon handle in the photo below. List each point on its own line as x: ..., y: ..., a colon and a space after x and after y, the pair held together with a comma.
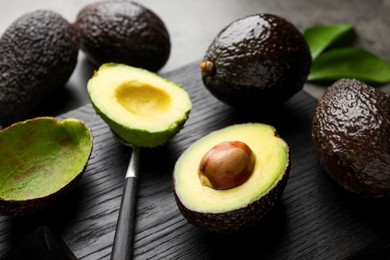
x: 124, y: 233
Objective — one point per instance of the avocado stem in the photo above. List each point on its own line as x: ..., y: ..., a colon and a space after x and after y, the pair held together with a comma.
x: 208, y: 68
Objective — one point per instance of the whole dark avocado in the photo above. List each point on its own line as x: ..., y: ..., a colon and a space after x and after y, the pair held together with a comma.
x: 123, y: 32
x: 351, y: 133
x: 258, y: 60
x: 38, y: 53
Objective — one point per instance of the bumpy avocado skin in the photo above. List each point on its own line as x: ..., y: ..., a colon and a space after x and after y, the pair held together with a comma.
x: 38, y: 53
x: 259, y: 60
x: 351, y: 133
x: 123, y: 32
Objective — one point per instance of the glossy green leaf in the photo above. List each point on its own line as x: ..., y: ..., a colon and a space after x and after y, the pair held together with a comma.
x: 350, y: 63
x: 320, y: 37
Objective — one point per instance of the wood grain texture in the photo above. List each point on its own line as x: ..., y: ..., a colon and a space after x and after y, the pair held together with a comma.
x: 315, y: 218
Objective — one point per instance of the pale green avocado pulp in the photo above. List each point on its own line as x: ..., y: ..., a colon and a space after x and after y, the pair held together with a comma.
x: 141, y: 107
x: 272, y: 159
x: 40, y: 156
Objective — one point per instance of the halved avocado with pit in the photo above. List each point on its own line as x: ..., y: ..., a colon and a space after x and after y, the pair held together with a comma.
x: 231, y: 209
x: 141, y: 107
x: 40, y: 160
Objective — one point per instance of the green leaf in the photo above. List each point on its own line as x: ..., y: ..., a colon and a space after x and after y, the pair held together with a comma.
x: 350, y: 63
x: 321, y: 36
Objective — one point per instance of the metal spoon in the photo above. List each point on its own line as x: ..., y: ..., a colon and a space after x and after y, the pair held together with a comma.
x: 124, y: 233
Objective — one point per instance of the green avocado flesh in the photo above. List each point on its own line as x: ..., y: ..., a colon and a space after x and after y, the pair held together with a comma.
x: 141, y: 107
x: 272, y: 160
x: 38, y: 157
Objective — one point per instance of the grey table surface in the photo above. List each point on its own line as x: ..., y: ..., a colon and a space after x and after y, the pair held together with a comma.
x: 193, y: 25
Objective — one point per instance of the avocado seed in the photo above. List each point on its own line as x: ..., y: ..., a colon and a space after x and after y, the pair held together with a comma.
x: 227, y: 165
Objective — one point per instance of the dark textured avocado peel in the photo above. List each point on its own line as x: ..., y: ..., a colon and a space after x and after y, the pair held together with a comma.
x: 351, y: 133
x: 258, y: 60
x: 123, y: 32
x: 38, y: 53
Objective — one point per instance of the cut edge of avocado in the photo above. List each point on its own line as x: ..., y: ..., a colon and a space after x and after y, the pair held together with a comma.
x: 226, y: 211
x: 141, y: 107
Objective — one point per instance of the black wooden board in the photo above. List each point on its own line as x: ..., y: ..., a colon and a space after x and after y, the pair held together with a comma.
x: 315, y: 218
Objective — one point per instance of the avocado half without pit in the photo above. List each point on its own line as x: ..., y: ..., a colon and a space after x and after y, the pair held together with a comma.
x: 41, y: 159
x: 141, y: 107
x: 229, y: 179
x: 143, y: 110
